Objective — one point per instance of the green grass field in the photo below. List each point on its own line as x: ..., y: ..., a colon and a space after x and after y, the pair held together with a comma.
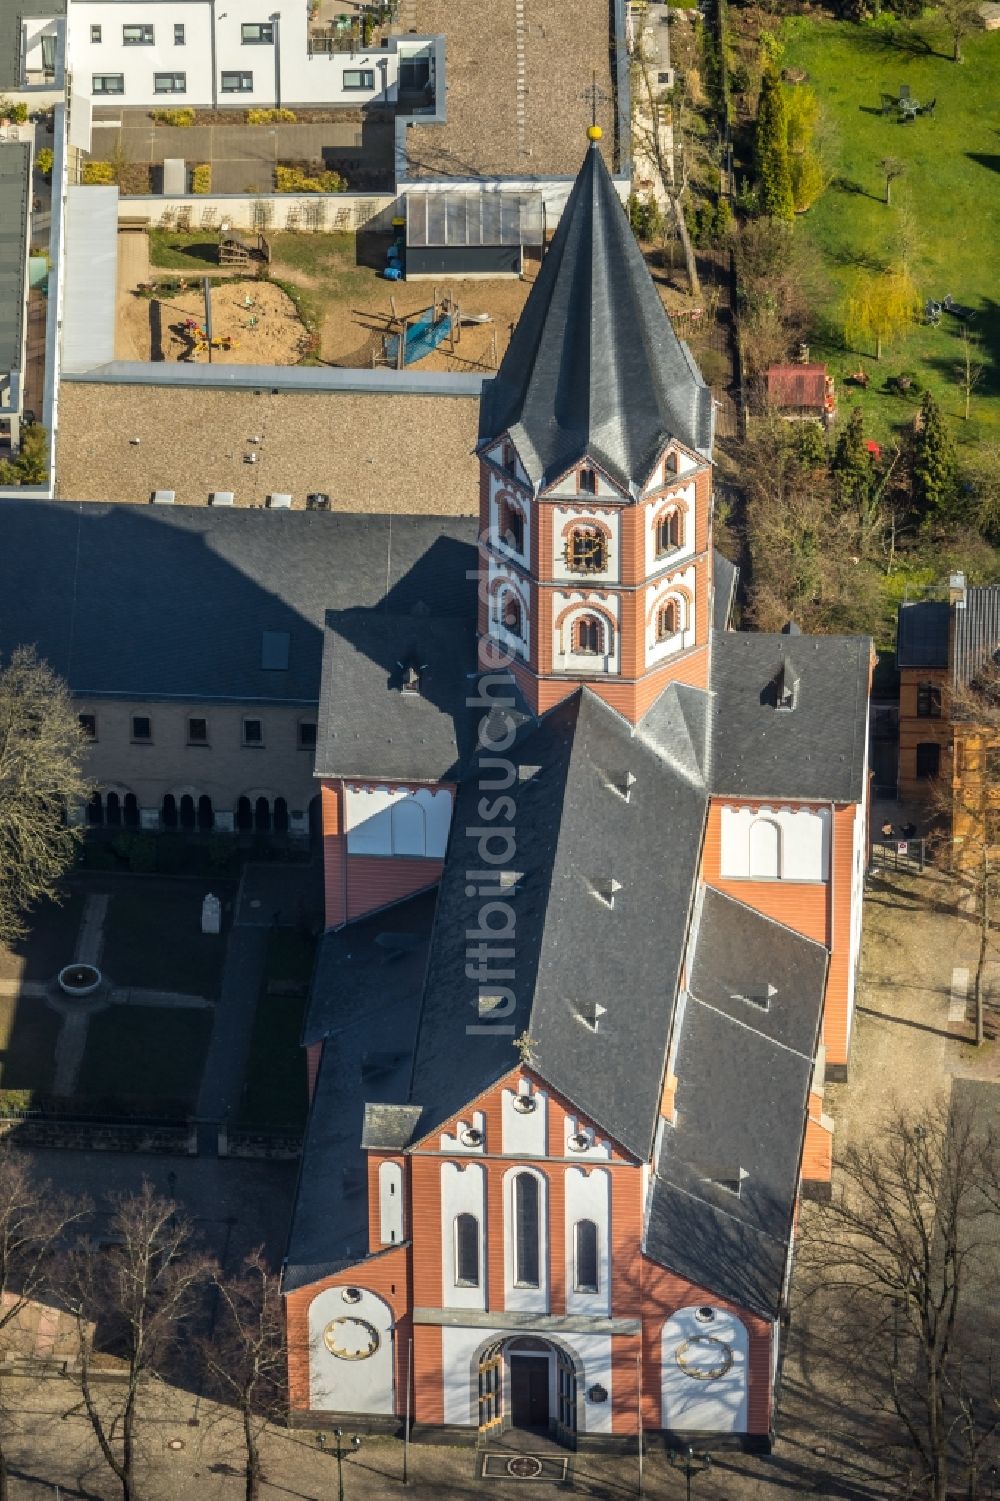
x: 950, y: 194
x: 145, y: 1058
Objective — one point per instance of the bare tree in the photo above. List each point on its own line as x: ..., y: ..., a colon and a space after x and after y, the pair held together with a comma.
x: 969, y: 375
x: 33, y: 1223
x: 958, y: 17
x: 245, y: 1355
x: 905, y: 1245
x: 673, y: 173
x: 133, y: 1297
x: 41, y: 758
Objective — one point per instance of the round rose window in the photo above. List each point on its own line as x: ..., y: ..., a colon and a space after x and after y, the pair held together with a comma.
x: 351, y: 1339
x: 705, y: 1357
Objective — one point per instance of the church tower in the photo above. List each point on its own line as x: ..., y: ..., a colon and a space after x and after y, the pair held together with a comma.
x: 595, y: 443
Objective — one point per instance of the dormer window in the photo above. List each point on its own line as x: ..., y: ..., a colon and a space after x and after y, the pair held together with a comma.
x: 667, y: 621
x: 512, y: 526
x: 786, y: 687
x: 670, y: 463
x: 587, y: 550
x: 508, y: 459
x: 668, y: 533
x: 587, y: 481
x: 588, y: 635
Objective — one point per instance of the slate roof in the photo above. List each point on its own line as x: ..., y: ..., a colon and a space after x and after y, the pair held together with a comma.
x: 725, y: 577
x: 15, y: 198
x: 743, y: 1083
x: 814, y: 750
x: 148, y: 602
x: 574, y: 832
x: 368, y: 724
x: 922, y: 634
x: 594, y: 368
x: 977, y: 633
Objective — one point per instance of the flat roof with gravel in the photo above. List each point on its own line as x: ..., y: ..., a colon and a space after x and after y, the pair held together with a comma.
x: 373, y: 452
x: 518, y: 88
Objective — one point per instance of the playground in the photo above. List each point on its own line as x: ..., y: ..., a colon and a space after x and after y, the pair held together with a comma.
x: 252, y: 323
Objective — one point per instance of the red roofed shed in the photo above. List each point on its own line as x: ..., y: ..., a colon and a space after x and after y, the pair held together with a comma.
x: 801, y: 391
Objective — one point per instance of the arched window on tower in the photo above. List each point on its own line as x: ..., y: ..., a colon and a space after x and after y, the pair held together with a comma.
x: 512, y: 526
x: 588, y: 635
x: 511, y: 614
x: 668, y: 533
x: 587, y: 550
x: 667, y: 620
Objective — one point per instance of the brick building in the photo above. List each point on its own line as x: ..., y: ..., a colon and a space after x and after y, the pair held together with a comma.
x: 594, y: 873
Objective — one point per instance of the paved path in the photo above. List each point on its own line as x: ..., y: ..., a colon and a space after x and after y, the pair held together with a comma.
x: 90, y: 935
x: 231, y: 1031
x: 70, y: 1048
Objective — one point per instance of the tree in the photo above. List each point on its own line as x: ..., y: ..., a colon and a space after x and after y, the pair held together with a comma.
x: 33, y: 1221
x: 771, y: 149
x: 31, y: 466
x: 892, y: 168
x: 934, y: 462
x: 134, y: 1295
x: 905, y: 1243
x: 958, y: 17
x: 780, y: 281
x: 245, y: 1355
x: 852, y: 463
x: 806, y: 173
x: 881, y: 306
x: 969, y: 374
x: 41, y: 776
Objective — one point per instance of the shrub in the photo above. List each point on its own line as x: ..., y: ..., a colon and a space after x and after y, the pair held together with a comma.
x: 182, y: 117
x: 771, y: 150
x: 44, y: 160
x: 294, y: 180
x: 271, y: 117
x: 222, y: 851
x: 139, y: 850
x: 101, y: 174
x: 18, y: 113
x: 201, y: 178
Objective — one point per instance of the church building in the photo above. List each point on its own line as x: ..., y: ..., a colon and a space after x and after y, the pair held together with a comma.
x: 594, y: 869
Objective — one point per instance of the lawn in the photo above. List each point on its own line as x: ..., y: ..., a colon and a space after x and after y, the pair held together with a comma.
x: 153, y: 938
x: 49, y: 943
x: 947, y: 202
x: 146, y: 1058
x: 274, y: 1086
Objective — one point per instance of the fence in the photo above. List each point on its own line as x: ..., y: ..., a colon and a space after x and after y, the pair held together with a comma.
x: 906, y: 856
x: 342, y: 212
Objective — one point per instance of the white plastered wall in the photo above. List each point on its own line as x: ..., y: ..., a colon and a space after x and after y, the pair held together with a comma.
x: 524, y: 1132
x: 588, y: 1197
x: 535, y: 1299
x: 376, y: 827
x: 463, y: 1191
x: 459, y: 1360
x: 804, y: 842
x: 350, y: 1385
x: 704, y: 1403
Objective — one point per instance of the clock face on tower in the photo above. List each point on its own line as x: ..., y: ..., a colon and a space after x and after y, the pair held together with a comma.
x: 351, y: 1339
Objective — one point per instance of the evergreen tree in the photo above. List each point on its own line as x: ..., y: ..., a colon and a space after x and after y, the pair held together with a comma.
x: 851, y: 464
x: 771, y: 150
x: 934, y: 462
x: 810, y: 445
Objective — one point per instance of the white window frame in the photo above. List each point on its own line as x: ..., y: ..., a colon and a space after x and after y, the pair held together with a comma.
x: 465, y: 1281
x: 590, y: 1290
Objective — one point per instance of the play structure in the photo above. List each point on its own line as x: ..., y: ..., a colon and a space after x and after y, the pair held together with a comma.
x: 412, y: 336
x: 241, y: 251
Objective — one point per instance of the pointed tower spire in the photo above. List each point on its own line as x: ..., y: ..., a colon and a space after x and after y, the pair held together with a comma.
x: 594, y: 369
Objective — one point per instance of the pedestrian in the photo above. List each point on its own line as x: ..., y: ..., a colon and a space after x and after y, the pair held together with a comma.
x: 887, y: 830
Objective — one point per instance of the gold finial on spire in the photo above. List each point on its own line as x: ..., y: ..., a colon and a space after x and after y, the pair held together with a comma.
x: 594, y: 132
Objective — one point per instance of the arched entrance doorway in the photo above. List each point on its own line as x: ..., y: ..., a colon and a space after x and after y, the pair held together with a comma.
x: 530, y: 1384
